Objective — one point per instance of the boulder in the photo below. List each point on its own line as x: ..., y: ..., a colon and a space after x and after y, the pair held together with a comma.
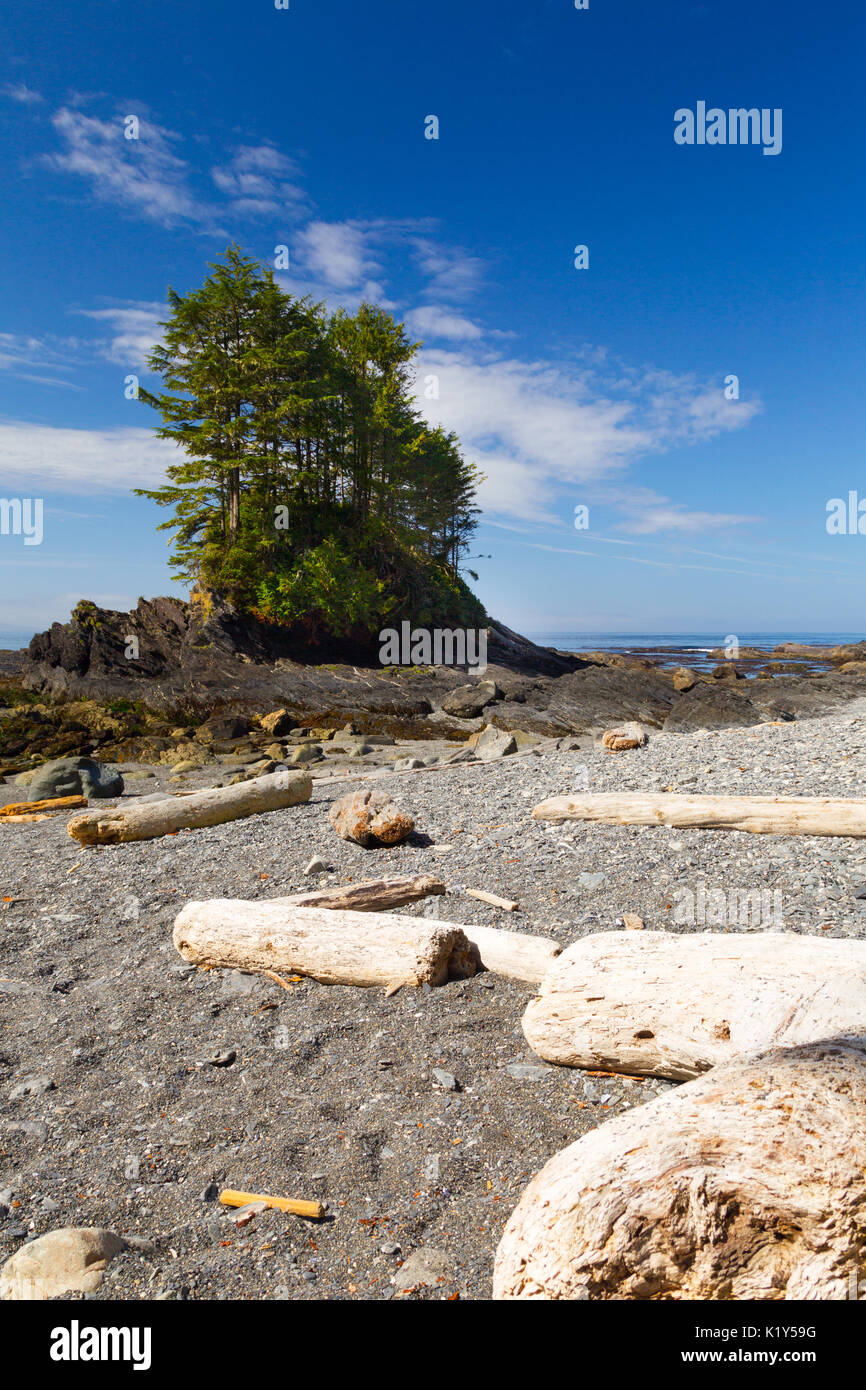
x: 629, y: 735
x: 467, y: 701
x: 684, y: 678
x: 223, y: 728
x: 306, y: 753
x: 370, y: 818
x: 70, y: 1260
x: 74, y: 777
x: 278, y: 723
x: 493, y: 743
x: 712, y: 706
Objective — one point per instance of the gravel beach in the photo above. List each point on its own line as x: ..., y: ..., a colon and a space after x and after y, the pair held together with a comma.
x: 133, y: 1087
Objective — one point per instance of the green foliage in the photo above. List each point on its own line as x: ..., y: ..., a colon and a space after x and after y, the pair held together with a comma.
x: 309, y: 490
x: 11, y: 696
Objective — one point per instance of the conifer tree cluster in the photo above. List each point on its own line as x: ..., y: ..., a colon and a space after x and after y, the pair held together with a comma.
x: 309, y: 491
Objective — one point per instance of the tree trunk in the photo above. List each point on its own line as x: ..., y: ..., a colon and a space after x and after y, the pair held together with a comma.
x: 346, y: 948
x: 749, y: 1183
x: 214, y: 806
x: 763, y: 815
x: 658, y: 1004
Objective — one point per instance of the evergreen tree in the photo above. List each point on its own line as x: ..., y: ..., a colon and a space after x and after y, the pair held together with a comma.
x: 309, y: 489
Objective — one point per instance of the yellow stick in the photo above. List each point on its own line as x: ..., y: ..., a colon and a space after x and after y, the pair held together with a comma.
x: 314, y: 1210
x: 55, y: 803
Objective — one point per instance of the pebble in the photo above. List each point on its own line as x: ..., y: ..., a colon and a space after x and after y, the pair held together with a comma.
x: 445, y: 1079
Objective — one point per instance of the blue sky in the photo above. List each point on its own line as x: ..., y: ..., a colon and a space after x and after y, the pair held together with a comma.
x: 602, y: 387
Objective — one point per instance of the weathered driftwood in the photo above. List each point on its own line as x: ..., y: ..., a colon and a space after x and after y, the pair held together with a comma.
x: 507, y: 904
x: 763, y: 815
x: 54, y: 803
x: 749, y: 1183
x: 514, y: 954
x: 336, y: 948
x: 213, y: 806
x: 659, y: 1004
x: 378, y: 896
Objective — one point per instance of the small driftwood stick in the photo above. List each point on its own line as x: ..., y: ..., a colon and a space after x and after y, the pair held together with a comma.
x: 377, y: 896
x: 22, y: 820
x: 507, y: 904
x: 314, y: 1210
x: 213, y: 806
x: 762, y: 815
x: 56, y: 803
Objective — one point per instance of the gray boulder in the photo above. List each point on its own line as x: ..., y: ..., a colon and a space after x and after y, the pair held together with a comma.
x: 494, y: 743
x: 467, y: 701
x: 74, y: 777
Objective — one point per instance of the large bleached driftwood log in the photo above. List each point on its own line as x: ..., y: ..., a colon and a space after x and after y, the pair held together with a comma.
x: 213, y: 806
x: 336, y: 948
x: 284, y: 935
x: 749, y: 1183
x: 659, y: 1004
x: 763, y: 815
x: 515, y: 955
x: 378, y: 896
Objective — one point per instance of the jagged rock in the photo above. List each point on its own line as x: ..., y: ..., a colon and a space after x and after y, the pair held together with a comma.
x: 74, y: 777
x: 727, y: 671
x: 712, y: 706
x: 370, y: 818
x: 684, y: 678
x: 493, y: 743
x: 223, y: 728
x: 467, y: 701
x: 278, y: 723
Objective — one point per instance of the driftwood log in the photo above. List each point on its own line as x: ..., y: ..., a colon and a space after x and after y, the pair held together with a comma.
x: 54, y: 803
x: 658, y: 1004
x: 336, y: 948
x: 762, y: 815
x: 353, y: 947
x: 749, y: 1183
x: 514, y: 954
x: 214, y: 806
x: 378, y: 896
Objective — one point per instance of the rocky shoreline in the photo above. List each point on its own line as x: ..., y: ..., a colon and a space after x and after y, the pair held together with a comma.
x: 77, y: 690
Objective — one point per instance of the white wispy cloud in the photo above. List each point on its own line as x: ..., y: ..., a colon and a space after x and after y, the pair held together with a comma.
x: 451, y: 271
x: 260, y: 181
x: 134, y: 330
x: 37, y: 359
x: 19, y: 91
x: 435, y: 321
x: 36, y: 458
x: 534, y: 427
x: 143, y: 176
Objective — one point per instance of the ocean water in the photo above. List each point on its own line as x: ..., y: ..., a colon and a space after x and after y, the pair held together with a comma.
x: 12, y: 639
x: 683, y: 648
